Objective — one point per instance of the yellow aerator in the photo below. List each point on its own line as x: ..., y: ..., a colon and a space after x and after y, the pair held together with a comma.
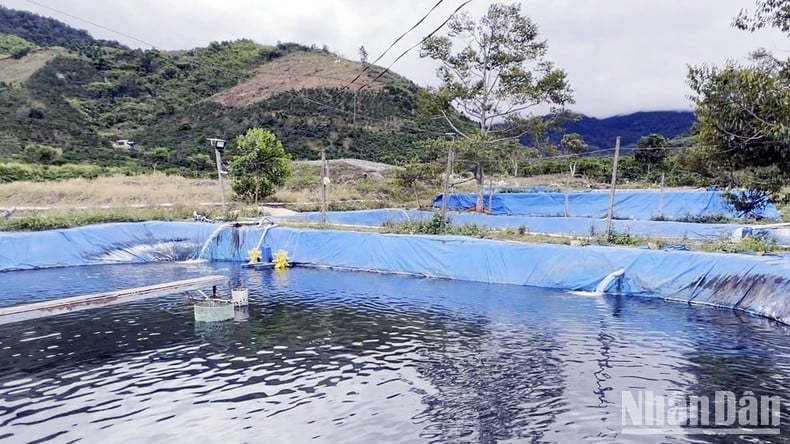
x: 254, y: 255
x: 280, y: 260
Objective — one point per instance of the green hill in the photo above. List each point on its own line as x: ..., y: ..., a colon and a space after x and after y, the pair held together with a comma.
x: 45, y: 31
x: 63, y: 89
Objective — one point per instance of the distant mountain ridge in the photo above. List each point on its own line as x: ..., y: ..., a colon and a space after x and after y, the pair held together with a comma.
x: 602, y: 133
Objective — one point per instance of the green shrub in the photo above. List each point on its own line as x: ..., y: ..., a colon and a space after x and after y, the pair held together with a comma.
x: 12, y: 172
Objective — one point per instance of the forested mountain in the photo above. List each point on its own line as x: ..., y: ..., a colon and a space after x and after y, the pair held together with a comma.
x: 45, y: 31
x: 62, y: 89
x: 602, y: 132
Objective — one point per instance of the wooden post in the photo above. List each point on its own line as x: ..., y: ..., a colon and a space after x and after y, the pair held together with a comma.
x: 490, y: 195
x: 447, y: 174
x: 661, y: 198
x: 613, y: 186
x: 324, y: 183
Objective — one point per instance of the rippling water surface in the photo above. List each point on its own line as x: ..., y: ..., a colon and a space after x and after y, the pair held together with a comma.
x: 353, y: 357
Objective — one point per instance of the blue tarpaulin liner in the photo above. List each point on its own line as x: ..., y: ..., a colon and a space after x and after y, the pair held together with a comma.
x: 750, y: 283
x: 640, y: 205
x: 573, y: 226
x: 102, y: 244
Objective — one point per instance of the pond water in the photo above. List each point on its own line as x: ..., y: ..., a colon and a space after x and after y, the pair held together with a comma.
x: 327, y: 356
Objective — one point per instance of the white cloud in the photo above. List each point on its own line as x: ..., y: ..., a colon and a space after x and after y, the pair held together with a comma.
x: 621, y: 55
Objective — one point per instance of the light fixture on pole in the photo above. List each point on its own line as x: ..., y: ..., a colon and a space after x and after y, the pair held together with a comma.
x: 219, y: 146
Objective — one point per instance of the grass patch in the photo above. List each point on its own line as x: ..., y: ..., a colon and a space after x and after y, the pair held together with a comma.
x: 39, y: 221
x: 149, y: 189
x: 438, y: 226
x: 749, y: 244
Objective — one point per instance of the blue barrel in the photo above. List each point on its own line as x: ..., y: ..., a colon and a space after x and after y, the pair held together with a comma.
x: 266, y: 253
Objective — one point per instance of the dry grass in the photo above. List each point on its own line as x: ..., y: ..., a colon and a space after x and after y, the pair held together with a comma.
x: 350, y: 185
x: 116, y: 191
x: 17, y: 71
x: 294, y: 72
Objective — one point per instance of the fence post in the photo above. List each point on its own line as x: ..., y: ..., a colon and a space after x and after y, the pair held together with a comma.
x: 324, y: 183
x: 447, y: 175
x: 612, y: 190
x: 661, y: 198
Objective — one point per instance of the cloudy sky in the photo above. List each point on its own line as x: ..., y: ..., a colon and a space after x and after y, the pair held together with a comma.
x: 621, y: 55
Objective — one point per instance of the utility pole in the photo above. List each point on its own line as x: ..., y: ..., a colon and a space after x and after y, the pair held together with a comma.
x: 219, y: 147
x: 448, y: 173
x: 324, y: 184
x: 611, y: 194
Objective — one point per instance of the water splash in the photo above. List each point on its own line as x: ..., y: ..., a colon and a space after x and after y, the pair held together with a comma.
x: 210, y: 239
x: 155, y: 252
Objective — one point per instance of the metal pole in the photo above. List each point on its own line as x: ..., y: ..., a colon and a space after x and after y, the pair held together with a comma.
x: 611, y: 194
x: 447, y: 174
x: 219, y: 174
x: 323, y: 185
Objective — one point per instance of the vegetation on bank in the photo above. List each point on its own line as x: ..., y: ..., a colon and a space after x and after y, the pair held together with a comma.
x: 50, y: 220
x: 438, y: 226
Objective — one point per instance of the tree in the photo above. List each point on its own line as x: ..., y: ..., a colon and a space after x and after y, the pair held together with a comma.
x: 200, y: 162
x: 743, y: 116
x: 413, y: 173
x: 515, y: 154
x: 157, y: 156
x: 363, y: 55
x: 743, y: 121
x: 260, y: 164
x: 773, y: 13
x: 499, y: 74
x: 650, y: 151
x: 574, y: 147
x: 47, y: 155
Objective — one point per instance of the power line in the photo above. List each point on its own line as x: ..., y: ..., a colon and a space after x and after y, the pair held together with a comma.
x: 114, y: 31
x: 396, y: 41
x: 416, y: 45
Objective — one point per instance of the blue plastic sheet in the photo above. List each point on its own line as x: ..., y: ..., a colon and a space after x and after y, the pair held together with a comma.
x: 102, y: 244
x: 750, y: 283
x: 640, y: 205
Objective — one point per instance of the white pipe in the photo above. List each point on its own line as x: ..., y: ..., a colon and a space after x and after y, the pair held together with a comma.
x: 601, y: 288
x: 263, y: 235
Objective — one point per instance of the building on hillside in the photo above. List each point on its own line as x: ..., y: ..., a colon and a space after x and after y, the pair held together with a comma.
x: 124, y: 143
